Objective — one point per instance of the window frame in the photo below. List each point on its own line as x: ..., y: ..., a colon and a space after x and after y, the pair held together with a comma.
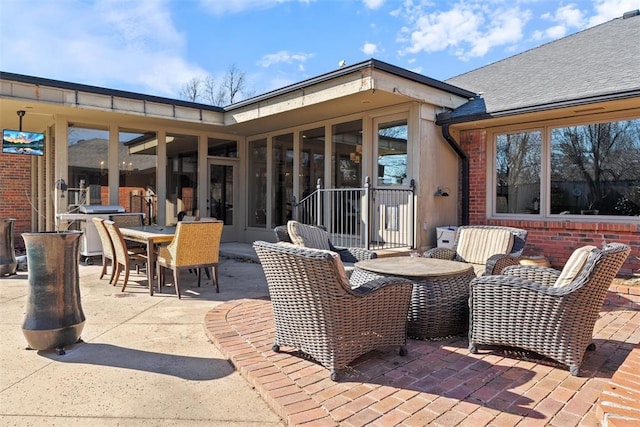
x: 545, y: 169
x: 388, y: 118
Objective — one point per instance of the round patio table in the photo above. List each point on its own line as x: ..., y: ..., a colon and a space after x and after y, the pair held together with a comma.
x: 440, y: 298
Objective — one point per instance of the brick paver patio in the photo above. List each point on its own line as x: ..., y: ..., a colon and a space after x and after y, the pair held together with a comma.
x: 438, y: 383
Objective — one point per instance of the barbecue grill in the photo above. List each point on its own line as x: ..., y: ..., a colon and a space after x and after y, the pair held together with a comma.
x: 90, y: 244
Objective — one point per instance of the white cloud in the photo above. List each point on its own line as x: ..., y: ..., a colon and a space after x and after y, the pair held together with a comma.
x: 283, y: 57
x: 565, y: 18
x: 607, y: 10
x: 505, y: 28
x: 221, y: 7
x: 436, y: 31
x: 369, y: 49
x: 468, y: 29
x: 570, y: 16
x: 112, y: 43
x: 373, y: 4
x: 555, y: 32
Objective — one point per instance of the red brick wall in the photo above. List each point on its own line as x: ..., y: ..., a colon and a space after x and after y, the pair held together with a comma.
x: 556, y: 240
x: 15, y: 193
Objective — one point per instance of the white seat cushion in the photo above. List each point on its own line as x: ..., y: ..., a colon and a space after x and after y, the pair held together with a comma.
x: 476, y: 245
x: 308, y: 235
x: 573, y: 266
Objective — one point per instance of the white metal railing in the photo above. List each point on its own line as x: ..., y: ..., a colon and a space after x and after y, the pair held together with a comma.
x: 367, y: 217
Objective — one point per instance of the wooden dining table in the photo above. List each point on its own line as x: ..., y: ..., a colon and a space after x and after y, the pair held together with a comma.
x: 152, y: 236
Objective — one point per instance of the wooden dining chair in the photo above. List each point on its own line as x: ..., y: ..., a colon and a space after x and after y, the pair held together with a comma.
x: 130, y: 220
x: 196, y: 245
x: 108, y: 257
x: 124, y: 258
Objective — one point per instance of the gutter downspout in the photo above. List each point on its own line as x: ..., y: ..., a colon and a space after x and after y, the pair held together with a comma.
x: 465, y: 172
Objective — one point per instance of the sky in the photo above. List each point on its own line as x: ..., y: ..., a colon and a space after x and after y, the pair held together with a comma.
x: 155, y: 47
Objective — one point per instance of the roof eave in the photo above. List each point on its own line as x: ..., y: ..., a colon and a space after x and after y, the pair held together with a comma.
x: 369, y: 64
x: 77, y: 87
x: 446, y: 119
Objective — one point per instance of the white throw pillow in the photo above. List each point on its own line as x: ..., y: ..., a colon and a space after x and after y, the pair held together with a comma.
x: 308, y: 235
x: 573, y: 266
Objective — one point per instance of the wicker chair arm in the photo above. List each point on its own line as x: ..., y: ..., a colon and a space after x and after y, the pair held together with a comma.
x: 516, y: 285
x: 543, y: 275
x: 498, y: 262
x: 440, y: 253
x: 377, y: 284
x: 354, y: 254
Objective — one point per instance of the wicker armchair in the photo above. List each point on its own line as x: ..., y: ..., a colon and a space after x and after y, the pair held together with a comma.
x: 125, y: 258
x: 348, y: 256
x: 196, y: 245
x: 316, y: 311
x: 528, y: 307
x: 484, y: 247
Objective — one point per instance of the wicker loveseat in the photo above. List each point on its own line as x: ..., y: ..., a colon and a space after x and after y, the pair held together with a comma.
x: 487, y: 248
x: 543, y: 310
x: 316, y: 237
x: 316, y: 311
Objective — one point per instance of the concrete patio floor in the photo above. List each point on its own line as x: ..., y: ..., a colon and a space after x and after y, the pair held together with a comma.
x: 150, y: 361
x: 145, y: 361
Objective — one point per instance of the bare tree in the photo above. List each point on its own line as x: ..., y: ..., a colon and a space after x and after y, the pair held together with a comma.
x: 234, y: 82
x: 191, y: 90
x: 231, y: 88
x: 212, y: 93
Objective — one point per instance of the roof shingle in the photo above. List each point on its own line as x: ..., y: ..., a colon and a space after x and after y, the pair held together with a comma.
x: 602, y: 61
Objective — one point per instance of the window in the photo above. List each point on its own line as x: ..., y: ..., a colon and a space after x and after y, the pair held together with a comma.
x: 593, y: 169
x: 182, y: 176
x: 282, y: 179
x: 392, y: 153
x: 137, y: 172
x: 346, y: 154
x: 257, y: 183
x: 518, y: 172
x: 312, y: 147
x: 311, y: 159
x: 88, y: 166
x: 222, y: 147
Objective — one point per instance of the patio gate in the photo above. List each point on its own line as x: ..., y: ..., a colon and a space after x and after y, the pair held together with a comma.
x: 367, y: 217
